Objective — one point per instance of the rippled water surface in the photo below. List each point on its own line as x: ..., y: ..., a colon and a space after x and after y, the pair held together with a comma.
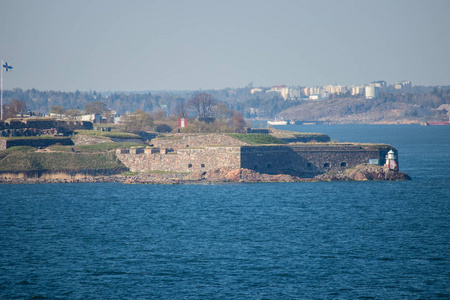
x: 348, y: 240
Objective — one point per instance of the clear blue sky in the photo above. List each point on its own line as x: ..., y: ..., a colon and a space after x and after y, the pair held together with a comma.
x: 175, y: 45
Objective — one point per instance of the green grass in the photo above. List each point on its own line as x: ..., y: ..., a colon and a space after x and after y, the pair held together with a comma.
x: 308, y: 135
x: 109, y: 134
x: 59, y: 161
x: 257, y: 138
x: 129, y: 173
x: 4, y: 153
x: 169, y: 137
x: 100, y: 147
x: 302, y: 137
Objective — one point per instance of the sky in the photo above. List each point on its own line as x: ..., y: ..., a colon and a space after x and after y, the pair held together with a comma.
x: 111, y: 45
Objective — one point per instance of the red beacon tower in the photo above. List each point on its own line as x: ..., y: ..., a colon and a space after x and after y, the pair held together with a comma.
x: 391, y: 161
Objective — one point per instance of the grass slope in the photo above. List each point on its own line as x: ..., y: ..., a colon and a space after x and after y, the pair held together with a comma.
x: 256, y: 138
x: 58, y: 161
x: 101, y: 147
x: 109, y: 134
x: 62, y: 158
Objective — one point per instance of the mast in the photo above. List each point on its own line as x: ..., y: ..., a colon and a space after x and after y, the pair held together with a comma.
x: 1, y: 92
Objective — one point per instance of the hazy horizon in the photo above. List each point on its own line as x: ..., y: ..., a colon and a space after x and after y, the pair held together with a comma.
x: 140, y: 46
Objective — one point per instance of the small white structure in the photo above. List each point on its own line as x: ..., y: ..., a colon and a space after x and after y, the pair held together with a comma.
x: 94, y: 118
x: 372, y: 92
x: 391, y: 161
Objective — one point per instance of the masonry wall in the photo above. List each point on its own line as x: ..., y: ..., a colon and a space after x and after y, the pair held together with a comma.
x: 305, y: 161
x: 4, y: 144
x: 183, y: 160
x: 179, y: 141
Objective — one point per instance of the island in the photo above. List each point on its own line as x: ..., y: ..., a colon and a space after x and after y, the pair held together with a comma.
x: 262, y: 155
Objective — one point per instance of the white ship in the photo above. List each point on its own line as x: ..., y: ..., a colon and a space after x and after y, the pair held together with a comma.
x: 277, y: 122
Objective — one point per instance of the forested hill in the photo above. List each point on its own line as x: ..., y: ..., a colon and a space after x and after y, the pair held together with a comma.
x: 42, y: 101
x: 263, y: 105
x: 415, y: 104
x: 365, y: 111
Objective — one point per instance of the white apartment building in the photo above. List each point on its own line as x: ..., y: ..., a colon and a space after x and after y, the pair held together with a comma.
x: 402, y: 84
x: 286, y: 93
x: 372, y: 92
x: 335, y: 89
x: 357, y: 90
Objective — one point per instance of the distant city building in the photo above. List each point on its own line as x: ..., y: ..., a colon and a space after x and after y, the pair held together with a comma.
x: 357, y: 90
x: 285, y: 92
x: 335, y: 89
x: 293, y: 94
x: 379, y: 83
x: 256, y: 90
x: 307, y: 91
x: 402, y: 84
x: 372, y: 92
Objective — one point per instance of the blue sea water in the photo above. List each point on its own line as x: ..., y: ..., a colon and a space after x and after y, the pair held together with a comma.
x: 324, y: 240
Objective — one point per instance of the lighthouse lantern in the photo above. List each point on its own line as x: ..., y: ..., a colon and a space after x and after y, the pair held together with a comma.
x: 391, y: 160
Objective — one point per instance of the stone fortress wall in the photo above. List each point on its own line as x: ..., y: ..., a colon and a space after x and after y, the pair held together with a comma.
x: 40, y: 126
x: 178, y: 141
x: 308, y: 161
x: 5, y: 144
x: 195, y: 153
x: 183, y: 160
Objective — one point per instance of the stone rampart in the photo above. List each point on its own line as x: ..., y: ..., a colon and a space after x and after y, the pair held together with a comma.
x: 305, y: 161
x: 81, y: 139
x: 40, y: 126
x: 182, y: 160
x: 34, y: 142
x: 183, y: 140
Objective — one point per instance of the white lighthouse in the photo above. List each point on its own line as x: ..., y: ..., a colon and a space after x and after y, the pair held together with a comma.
x: 391, y: 161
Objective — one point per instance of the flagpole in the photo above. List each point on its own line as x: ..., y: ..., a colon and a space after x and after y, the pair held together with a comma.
x: 1, y: 92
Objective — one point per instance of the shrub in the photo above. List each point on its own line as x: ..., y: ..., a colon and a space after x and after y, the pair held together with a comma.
x: 163, y: 128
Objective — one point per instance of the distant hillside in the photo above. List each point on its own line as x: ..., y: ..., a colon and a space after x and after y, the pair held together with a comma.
x: 363, y: 111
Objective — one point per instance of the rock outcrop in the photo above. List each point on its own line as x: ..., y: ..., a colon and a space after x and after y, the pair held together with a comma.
x: 365, y: 172
x: 359, y: 173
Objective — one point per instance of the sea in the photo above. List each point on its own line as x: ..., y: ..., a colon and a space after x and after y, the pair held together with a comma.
x: 305, y: 240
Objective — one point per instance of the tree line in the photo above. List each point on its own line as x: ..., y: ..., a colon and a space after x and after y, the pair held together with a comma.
x: 259, y: 105
x: 204, y: 112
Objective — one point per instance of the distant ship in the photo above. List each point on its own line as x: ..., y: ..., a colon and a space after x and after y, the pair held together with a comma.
x: 279, y: 122
x: 437, y: 123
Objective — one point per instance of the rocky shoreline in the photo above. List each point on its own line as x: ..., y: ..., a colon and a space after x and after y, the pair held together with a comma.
x: 224, y: 175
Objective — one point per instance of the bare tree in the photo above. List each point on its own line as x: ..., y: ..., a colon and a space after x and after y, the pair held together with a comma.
x: 136, y: 122
x: 238, y: 122
x: 96, y: 107
x: 221, y: 111
x: 59, y: 110
x: 72, y: 114
x: 180, y: 110
x: 203, y: 104
x: 12, y: 110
